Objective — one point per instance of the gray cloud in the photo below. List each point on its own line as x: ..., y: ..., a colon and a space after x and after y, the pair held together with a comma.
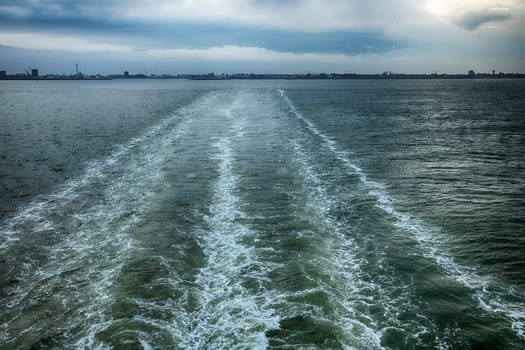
x: 474, y: 20
x: 70, y: 18
x: 398, y: 35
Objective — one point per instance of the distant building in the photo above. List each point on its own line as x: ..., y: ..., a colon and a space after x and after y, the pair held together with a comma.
x: 34, y: 73
x: 126, y: 74
x: 471, y: 73
x: 3, y: 74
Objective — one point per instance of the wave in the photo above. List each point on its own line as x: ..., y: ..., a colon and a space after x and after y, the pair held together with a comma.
x: 491, y: 295
x: 229, y: 314
x: 76, y: 240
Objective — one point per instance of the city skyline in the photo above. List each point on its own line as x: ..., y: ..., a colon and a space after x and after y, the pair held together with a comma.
x: 262, y: 36
x: 32, y: 73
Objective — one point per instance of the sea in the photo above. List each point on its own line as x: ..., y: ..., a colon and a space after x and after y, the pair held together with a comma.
x: 262, y: 214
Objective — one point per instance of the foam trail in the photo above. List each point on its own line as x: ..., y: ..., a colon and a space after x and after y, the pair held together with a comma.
x: 35, y: 216
x: 89, y: 256
x: 138, y: 187
x: 343, y: 265
x: 491, y: 296
x: 229, y: 314
x: 346, y: 268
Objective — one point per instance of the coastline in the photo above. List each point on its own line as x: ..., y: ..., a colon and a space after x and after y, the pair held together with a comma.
x: 251, y: 76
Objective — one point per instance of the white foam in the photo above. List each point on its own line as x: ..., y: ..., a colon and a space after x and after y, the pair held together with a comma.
x: 431, y: 241
x: 343, y: 266
x: 229, y: 315
x: 89, y: 258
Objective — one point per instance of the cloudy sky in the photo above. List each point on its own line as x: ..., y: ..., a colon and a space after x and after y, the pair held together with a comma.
x: 262, y: 36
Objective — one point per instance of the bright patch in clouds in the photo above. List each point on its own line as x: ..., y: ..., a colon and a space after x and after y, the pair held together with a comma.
x: 40, y: 41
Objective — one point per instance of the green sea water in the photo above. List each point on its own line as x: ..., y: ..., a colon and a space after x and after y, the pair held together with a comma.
x: 146, y: 214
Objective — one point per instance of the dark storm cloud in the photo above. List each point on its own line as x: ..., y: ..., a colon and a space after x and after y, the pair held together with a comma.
x: 72, y: 17
x: 474, y: 20
x: 60, y: 7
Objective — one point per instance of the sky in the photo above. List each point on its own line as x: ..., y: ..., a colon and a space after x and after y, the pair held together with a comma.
x: 262, y: 36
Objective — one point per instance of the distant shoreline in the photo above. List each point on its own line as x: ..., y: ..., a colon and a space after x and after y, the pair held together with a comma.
x: 243, y: 76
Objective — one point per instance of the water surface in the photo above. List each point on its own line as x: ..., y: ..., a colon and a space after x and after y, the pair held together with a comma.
x: 262, y: 214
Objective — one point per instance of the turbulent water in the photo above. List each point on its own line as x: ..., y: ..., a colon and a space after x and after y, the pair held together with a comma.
x: 262, y: 214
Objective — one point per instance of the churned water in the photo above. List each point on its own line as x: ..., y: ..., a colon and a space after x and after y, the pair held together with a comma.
x: 145, y: 214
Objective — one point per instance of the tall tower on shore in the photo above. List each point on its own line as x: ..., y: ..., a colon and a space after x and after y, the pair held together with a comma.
x: 76, y: 68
